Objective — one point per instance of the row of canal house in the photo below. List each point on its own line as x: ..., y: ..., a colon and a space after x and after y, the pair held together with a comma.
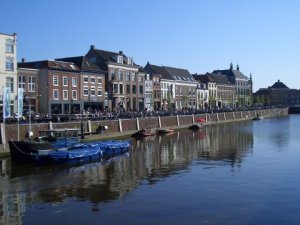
x: 111, y: 80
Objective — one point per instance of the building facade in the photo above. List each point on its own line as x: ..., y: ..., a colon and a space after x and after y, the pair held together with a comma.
x: 124, y: 81
x: 212, y: 89
x: 177, y: 87
x: 243, y: 85
x: 92, y: 85
x: 8, y: 68
x: 277, y: 95
x: 28, y: 81
x: 149, y: 102
x: 202, y: 96
x: 58, y: 86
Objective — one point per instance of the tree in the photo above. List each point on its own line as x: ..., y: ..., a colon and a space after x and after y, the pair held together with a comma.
x: 169, y: 100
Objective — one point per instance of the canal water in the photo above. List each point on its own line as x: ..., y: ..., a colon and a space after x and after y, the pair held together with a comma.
x: 234, y: 173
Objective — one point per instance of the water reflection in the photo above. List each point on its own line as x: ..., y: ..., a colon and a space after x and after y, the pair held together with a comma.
x: 150, y: 160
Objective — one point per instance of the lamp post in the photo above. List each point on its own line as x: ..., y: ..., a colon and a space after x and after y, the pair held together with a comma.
x: 30, y: 133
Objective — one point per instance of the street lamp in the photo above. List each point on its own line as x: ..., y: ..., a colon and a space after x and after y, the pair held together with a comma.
x: 30, y: 133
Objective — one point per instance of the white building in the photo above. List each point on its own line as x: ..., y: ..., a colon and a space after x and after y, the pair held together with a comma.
x: 202, y: 96
x: 148, y: 93
x: 8, y: 68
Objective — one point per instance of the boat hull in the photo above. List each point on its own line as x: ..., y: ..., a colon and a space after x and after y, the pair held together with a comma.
x: 142, y: 133
x: 164, y: 131
x: 195, y: 127
x: 25, y: 151
x: 43, y: 153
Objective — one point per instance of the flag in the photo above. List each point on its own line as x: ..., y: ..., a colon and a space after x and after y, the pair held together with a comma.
x: 20, y: 101
x: 6, y: 102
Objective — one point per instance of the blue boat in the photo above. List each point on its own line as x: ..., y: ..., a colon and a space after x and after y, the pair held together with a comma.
x: 77, y: 152
x: 112, y: 148
x: 58, y: 146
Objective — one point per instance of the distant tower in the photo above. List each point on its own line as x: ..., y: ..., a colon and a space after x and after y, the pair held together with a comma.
x: 237, y: 67
x: 231, y: 66
x: 251, y: 100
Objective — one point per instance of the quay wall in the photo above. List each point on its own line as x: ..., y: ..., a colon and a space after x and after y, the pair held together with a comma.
x: 127, y: 125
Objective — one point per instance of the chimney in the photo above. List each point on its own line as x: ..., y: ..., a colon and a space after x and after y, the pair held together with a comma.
x: 23, y: 60
x: 237, y: 67
x: 93, y: 47
x: 120, y: 52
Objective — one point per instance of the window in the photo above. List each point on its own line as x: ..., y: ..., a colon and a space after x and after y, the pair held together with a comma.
x: 113, y: 74
x: 99, y: 92
x: 74, y: 94
x: 10, y: 83
x: 31, y: 84
x: 9, y: 47
x: 9, y: 64
x: 65, y: 94
x: 141, y: 89
x: 120, y: 59
x: 65, y: 81
x: 115, y: 88
x: 93, y: 91
x: 121, y: 88
x: 22, y: 81
x: 55, y: 94
x: 130, y: 61
x: 133, y: 77
x: 127, y: 89
x: 99, y: 81
x: 140, y: 79
x: 127, y: 76
x: 133, y: 89
x: 93, y: 79
x: 120, y: 75
x: 74, y: 81
x: 55, y: 80
x: 85, y: 79
x: 85, y: 91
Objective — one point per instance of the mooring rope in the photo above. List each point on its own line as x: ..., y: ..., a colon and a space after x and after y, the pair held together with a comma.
x: 19, y: 148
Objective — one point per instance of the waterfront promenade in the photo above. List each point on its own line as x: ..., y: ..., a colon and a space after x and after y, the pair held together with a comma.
x: 124, y: 128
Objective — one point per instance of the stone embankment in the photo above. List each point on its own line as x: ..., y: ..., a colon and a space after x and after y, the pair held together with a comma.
x: 122, y: 128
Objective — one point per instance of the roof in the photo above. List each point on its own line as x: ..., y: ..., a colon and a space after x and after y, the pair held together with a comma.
x: 179, y: 74
x: 169, y: 73
x: 220, y: 79
x: 261, y: 91
x: 82, y: 62
x: 111, y: 56
x: 231, y: 73
x: 279, y: 84
x: 157, y: 70
x: 50, y: 64
x: 8, y: 34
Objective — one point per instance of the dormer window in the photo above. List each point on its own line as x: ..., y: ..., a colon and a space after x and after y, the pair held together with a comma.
x: 130, y: 61
x: 120, y: 59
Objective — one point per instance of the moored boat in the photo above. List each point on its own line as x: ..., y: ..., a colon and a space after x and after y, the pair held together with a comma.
x: 48, y: 140
x: 56, y: 146
x: 195, y: 126
x: 164, y: 130
x: 258, y: 117
x: 144, y: 133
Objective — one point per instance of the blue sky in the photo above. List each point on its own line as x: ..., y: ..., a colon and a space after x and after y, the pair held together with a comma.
x: 262, y: 36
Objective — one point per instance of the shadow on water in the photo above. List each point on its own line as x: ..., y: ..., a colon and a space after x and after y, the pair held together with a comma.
x: 150, y: 160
